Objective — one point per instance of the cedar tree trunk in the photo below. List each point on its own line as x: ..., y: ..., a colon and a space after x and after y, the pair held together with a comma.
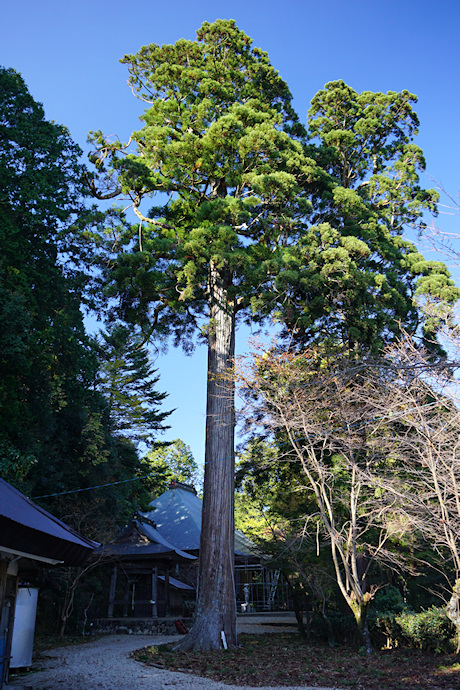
x: 216, y: 605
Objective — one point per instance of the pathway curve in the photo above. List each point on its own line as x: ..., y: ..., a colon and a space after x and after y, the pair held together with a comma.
x: 105, y: 665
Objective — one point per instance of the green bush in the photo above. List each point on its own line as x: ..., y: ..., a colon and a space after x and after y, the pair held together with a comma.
x: 430, y: 630
x: 388, y: 600
x: 393, y: 624
x: 382, y: 624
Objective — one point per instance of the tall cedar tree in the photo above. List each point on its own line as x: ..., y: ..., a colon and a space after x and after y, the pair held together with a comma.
x: 355, y: 278
x: 220, y: 136
x: 254, y: 223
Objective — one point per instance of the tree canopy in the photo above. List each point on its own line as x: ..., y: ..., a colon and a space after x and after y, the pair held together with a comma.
x: 55, y: 430
x: 355, y: 276
x: 221, y: 138
x: 42, y: 339
x: 239, y: 212
x: 172, y: 462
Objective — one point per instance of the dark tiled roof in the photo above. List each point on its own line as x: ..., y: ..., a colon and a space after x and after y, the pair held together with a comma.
x: 29, y: 529
x: 177, y: 584
x: 140, y: 539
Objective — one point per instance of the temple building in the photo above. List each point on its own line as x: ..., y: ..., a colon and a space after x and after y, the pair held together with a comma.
x: 155, y: 563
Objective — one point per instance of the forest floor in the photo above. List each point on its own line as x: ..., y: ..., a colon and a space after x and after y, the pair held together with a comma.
x: 285, y: 659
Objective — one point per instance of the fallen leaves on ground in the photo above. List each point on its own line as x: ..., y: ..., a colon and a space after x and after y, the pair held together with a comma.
x: 287, y: 659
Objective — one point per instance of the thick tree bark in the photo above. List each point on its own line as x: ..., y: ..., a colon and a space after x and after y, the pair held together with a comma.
x: 216, y: 607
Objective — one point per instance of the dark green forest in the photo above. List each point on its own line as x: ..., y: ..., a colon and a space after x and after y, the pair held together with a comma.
x: 228, y: 208
x: 73, y: 407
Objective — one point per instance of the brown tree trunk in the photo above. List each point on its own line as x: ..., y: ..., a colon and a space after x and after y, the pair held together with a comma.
x: 216, y: 606
x: 299, y: 601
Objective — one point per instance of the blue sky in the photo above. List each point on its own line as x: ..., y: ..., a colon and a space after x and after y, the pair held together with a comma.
x: 68, y: 52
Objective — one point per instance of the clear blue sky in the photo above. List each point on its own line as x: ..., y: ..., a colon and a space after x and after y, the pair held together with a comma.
x: 68, y: 52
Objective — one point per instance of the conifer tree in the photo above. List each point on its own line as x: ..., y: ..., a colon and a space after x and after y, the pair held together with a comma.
x: 43, y: 346
x: 55, y: 435
x: 127, y: 379
x: 221, y: 138
x: 356, y: 277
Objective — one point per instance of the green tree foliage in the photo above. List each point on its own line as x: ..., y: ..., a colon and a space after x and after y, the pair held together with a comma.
x: 355, y: 276
x: 258, y: 221
x: 127, y: 379
x: 43, y: 348
x: 173, y: 462
x: 176, y: 462
x: 219, y: 137
x: 267, y: 489
x: 55, y: 431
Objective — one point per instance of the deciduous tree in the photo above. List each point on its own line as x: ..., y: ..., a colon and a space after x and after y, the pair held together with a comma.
x: 172, y: 462
x: 421, y: 406
x: 323, y: 405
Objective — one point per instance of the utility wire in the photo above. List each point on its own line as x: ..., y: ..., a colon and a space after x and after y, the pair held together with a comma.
x: 146, y: 476
x: 89, y: 488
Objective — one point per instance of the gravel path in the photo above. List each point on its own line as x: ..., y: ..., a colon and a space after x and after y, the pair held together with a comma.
x: 105, y: 665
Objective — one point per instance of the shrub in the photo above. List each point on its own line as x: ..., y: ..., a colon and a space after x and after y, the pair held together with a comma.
x: 430, y: 630
x: 388, y: 600
x: 393, y: 624
x: 382, y: 624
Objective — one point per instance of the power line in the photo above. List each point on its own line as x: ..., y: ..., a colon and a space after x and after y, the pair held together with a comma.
x: 146, y: 476
x: 89, y: 488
